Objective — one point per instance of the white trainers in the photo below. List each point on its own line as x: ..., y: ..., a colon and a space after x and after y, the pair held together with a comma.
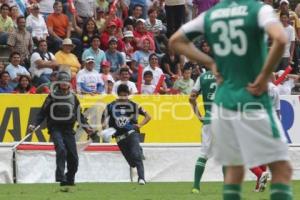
x: 141, y: 182
x: 263, y: 181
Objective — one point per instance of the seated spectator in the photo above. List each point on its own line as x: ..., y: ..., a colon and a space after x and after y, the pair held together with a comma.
x: 154, y: 68
x: 140, y: 33
x: 109, y: 88
x: 2, y: 67
x: 43, y: 63
x: 114, y: 56
x: 36, y: 24
x: 66, y: 58
x: 156, y: 27
x: 141, y: 57
x: 100, y: 19
x: 185, y: 84
x: 103, y: 5
x: 111, y: 31
x: 20, y: 40
x: 25, y: 86
x: 88, y: 79
x: 142, y: 4
x: 4, y: 80
x: 171, y: 65
x: 128, y: 48
x: 124, y: 79
x: 85, y: 9
x: 87, y: 33
x: 95, y: 52
x: 285, y: 87
x: 15, y: 70
x: 137, y: 12
x: 112, y: 17
x: 45, y: 88
x: 105, y: 75
x: 14, y: 14
x: 147, y: 86
x: 59, y: 28
x: 6, y: 24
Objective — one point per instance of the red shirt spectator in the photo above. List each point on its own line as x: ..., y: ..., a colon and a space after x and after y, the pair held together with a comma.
x: 111, y: 31
x: 25, y: 85
x: 140, y: 33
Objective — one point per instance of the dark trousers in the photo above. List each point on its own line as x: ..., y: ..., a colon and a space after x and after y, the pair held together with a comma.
x: 131, y: 150
x: 175, y: 18
x: 65, y: 148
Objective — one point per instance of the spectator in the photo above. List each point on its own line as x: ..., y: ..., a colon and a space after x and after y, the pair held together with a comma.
x: 59, y: 28
x: 25, y: 85
x: 14, y: 14
x: 85, y: 9
x: 15, y: 70
x: 43, y: 63
x: 36, y: 24
x: 114, y: 56
x: 46, y: 7
x: 2, y: 67
x: 100, y: 19
x: 4, y: 80
x: 6, y: 24
x: 124, y: 79
x: 128, y: 48
x: 294, y: 20
x: 45, y: 88
x: 196, y: 69
x: 285, y: 87
x: 87, y: 33
x: 88, y: 80
x: 156, y: 27
x: 154, y: 68
x: 141, y: 33
x: 147, y: 86
x: 185, y: 84
x: 112, y: 17
x: 95, y: 52
x: 288, y: 55
x: 171, y: 64
x: 200, y: 6
x: 111, y: 31
x: 103, y: 5
x: 175, y: 11
x: 121, y: 8
x: 141, y: 4
x: 20, y: 40
x: 110, y: 86
x: 105, y: 76
x: 65, y: 57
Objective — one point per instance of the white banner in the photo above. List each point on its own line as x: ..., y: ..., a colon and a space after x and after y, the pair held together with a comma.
x: 6, y: 168
x: 163, y: 163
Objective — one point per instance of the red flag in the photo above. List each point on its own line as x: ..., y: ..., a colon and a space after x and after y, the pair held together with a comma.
x: 159, y: 83
x: 140, y: 79
x: 282, y: 77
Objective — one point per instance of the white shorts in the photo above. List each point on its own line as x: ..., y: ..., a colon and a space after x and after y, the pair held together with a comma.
x: 247, y: 138
x: 206, y: 144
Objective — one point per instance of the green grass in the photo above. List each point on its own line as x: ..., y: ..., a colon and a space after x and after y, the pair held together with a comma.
x: 128, y: 191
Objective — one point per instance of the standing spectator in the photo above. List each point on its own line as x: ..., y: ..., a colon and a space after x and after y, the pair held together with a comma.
x: 85, y: 9
x: 88, y: 80
x: 114, y: 56
x: 111, y: 31
x: 59, y: 28
x: 95, y: 52
x: 4, y: 80
x: 185, y: 84
x: 154, y: 68
x: 6, y: 24
x: 200, y: 6
x: 175, y: 11
x: 67, y: 58
x: 124, y: 80
x: 147, y: 86
x: 14, y: 14
x: 288, y: 55
x: 140, y: 32
x: 21, y: 41
x: 36, y: 24
x: 43, y: 63
x: 25, y: 86
x: 15, y: 70
x: 46, y: 7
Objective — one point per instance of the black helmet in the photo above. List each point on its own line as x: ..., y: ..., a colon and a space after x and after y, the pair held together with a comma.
x: 63, y: 76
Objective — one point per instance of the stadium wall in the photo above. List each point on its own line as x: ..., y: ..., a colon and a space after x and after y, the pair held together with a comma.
x: 35, y: 163
x: 172, y: 118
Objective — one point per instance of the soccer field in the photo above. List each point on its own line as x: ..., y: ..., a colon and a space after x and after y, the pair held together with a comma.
x: 128, y: 191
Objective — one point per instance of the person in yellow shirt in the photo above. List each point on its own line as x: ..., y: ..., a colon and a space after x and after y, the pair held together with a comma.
x: 65, y: 58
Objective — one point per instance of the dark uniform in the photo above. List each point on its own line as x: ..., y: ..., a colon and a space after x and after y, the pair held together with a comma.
x: 123, y: 117
x: 62, y: 110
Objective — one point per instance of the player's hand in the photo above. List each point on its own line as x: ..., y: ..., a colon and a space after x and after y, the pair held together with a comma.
x: 259, y: 86
x: 137, y: 127
x: 193, y: 98
x: 31, y: 128
x: 219, y: 78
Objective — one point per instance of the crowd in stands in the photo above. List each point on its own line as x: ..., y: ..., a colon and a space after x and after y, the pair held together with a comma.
x: 105, y: 43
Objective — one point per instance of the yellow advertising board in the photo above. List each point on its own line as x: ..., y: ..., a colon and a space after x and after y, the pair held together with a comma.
x: 172, y: 118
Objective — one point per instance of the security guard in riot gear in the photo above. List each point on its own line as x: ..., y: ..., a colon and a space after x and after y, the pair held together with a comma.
x: 62, y: 109
x: 122, y: 115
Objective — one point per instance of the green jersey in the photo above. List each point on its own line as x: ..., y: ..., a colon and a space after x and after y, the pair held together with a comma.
x: 235, y: 31
x: 206, y: 85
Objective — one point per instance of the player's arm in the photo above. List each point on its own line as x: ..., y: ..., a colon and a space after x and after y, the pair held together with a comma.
x: 104, y: 118
x: 274, y: 29
x: 193, y: 101
x: 146, y: 119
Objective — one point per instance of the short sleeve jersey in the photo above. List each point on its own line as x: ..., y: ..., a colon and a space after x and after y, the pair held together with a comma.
x: 236, y: 32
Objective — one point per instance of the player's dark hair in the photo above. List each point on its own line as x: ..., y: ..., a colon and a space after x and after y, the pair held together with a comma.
x: 148, y: 73
x: 123, y: 88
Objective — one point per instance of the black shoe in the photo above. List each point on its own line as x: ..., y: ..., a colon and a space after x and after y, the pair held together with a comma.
x: 65, y: 183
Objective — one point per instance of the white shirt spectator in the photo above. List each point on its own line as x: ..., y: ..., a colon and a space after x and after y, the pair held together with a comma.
x: 46, y: 6
x: 273, y: 92
x: 35, y: 57
x: 90, y: 79
x: 107, y: 77
x: 157, y: 72
x: 37, y: 26
x: 131, y: 86
x: 286, y: 87
x: 148, y: 89
x: 290, y: 32
x: 15, y: 71
x: 85, y: 8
